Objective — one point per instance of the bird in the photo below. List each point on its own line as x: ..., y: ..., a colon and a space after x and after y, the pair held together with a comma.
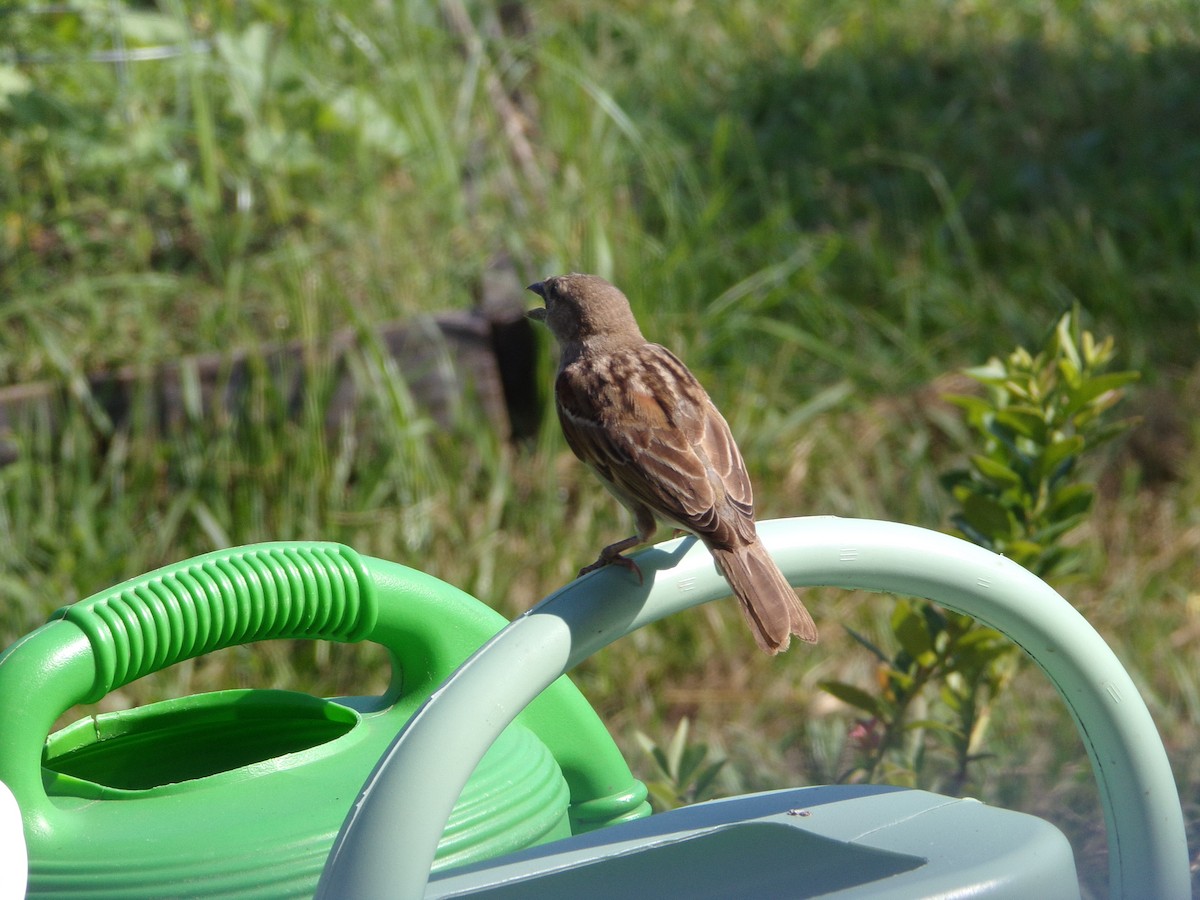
x: 638, y: 418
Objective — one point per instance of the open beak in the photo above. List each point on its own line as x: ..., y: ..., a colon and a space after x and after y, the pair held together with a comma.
x: 538, y: 314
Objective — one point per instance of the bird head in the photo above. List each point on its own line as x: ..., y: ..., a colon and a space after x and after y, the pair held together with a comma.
x: 584, y: 308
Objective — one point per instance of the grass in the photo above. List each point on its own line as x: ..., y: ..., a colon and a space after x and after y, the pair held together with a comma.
x: 823, y: 208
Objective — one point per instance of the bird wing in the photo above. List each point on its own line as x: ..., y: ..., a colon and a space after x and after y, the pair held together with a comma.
x: 726, y: 460
x: 640, y: 419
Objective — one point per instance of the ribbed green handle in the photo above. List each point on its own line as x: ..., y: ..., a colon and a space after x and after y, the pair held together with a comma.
x: 221, y: 599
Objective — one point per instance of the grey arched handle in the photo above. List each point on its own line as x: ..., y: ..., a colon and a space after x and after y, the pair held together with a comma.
x: 387, y: 843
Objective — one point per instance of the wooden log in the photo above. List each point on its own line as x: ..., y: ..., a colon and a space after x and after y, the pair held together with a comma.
x: 488, y: 358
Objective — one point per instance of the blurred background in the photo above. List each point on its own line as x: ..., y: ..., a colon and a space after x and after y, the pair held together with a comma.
x: 261, y: 278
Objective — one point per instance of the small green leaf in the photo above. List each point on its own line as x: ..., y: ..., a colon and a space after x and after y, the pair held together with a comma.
x: 1027, y: 421
x: 652, y: 750
x: 970, y: 532
x: 1051, y: 462
x: 1097, y: 355
x: 1024, y: 552
x: 1065, y: 333
x: 1095, y: 386
x: 909, y: 628
x: 705, y: 779
x: 1071, y: 374
x: 1070, y: 501
x: 995, y: 471
x: 991, y: 373
x: 1024, y: 389
x: 677, y: 746
x: 982, y: 636
x: 975, y: 407
x: 693, y: 757
x: 973, y: 657
x: 988, y: 517
x: 661, y: 760
x: 950, y: 698
x: 854, y: 696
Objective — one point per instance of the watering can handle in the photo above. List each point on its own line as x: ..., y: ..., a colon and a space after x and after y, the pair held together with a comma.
x: 221, y: 599
x: 296, y: 589
x: 384, y: 850
x: 292, y: 590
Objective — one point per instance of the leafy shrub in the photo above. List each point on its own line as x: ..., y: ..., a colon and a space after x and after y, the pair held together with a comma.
x: 1023, y: 492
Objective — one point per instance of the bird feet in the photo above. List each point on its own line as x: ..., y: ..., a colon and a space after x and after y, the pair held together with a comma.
x: 611, y: 556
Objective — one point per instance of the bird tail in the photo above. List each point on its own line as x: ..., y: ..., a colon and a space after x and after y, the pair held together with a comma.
x: 772, y: 608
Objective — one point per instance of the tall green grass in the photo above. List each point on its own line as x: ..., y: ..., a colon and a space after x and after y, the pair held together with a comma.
x: 821, y: 207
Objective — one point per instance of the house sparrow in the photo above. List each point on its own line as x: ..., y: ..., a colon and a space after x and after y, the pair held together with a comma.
x: 641, y: 421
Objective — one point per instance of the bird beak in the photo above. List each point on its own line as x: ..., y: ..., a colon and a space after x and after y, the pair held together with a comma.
x: 539, y: 314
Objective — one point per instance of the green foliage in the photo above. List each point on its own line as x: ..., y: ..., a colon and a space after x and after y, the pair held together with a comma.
x: 1023, y: 492
x: 221, y: 192
x: 933, y: 693
x: 1042, y: 412
x: 684, y: 773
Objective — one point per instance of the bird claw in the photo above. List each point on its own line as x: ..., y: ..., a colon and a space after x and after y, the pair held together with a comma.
x: 615, y: 559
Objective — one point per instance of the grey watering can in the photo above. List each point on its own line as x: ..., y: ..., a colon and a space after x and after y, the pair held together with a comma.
x: 817, y: 841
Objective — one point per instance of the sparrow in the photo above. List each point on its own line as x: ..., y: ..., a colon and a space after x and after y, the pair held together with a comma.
x: 635, y: 415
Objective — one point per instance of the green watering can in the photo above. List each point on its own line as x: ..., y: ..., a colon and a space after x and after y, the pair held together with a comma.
x: 241, y: 793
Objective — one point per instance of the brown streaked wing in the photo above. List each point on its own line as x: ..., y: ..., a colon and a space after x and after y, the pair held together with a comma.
x: 614, y: 422
x: 714, y: 445
x: 722, y: 451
